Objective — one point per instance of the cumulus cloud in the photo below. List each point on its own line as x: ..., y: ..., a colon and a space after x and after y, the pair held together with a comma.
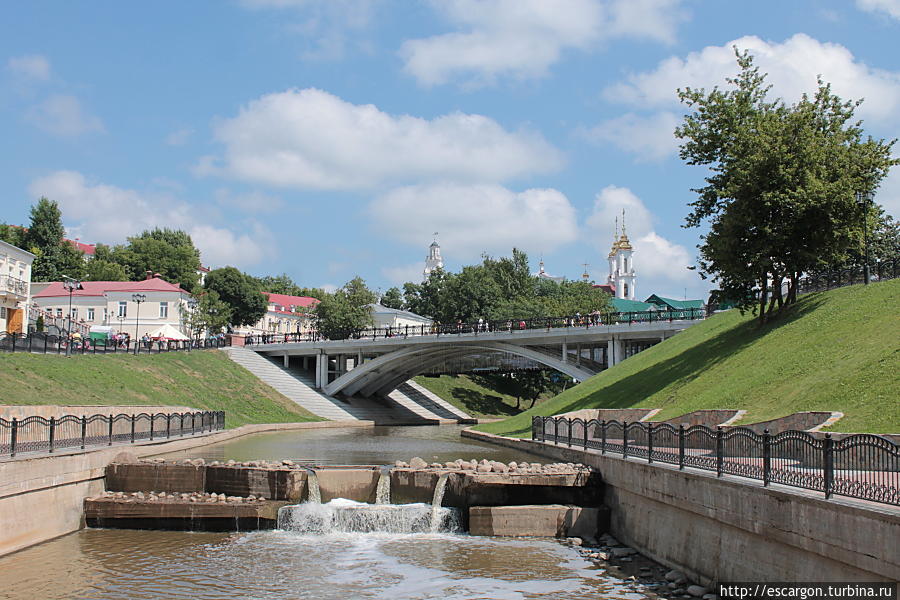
x: 473, y: 219
x: 792, y: 67
x: 106, y: 213
x: 888, y: 195
x: 523, y: 38
x: 659, y: 263
x: 403, y: 273
x: 315, y: 140
x: 649, y: 137
x: 889, y: 7
x: 63, y: 115
x: 179, y: 137
x: 32, y: 66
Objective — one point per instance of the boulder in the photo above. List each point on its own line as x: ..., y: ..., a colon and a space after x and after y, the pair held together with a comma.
x: 484, y: 468
x: 622, y: 551
x: 676, y: 576
x: 401, y: 465
x: 697, y: 591
x: 417, y: 463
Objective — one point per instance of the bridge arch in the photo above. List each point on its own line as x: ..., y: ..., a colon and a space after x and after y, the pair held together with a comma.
x: 378, y: 374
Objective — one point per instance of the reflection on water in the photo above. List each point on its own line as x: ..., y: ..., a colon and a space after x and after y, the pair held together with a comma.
x: 353, y: 446
x: 143, y: 565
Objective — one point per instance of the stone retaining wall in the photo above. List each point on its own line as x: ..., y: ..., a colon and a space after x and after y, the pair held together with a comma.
x: 734, y: 529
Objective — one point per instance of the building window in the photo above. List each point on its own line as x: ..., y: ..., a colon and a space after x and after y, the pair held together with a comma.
x: 123, y: 309
x: 59, y: 313
x: 163, y: 310
x: 2, y: 312
x: 90, y: 314
x: 74, y: 314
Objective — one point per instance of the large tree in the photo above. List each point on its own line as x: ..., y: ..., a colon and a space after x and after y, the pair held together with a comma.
x: 283, y: 284
x: 103, y: 266
x: 392, y: 298
x: 780, y: 196
x: 169, y: 252
x: 240, y: 292
x: 55, y: 258
x: 344, y: 312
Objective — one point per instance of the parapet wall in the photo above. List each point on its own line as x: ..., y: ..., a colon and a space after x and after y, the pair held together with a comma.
x: 734, y: 529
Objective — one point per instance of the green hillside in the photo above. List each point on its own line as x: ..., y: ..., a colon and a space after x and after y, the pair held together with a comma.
x: 837, y: 350
x: 478, y: 396
x: 204, y: 379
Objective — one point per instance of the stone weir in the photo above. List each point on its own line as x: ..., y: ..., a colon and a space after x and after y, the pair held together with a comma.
x: 493, y: 498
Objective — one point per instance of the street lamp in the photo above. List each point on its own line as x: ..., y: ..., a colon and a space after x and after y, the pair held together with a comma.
x: 192, y: 306
x: 137, y: 299
x: 863, y: 200
x: 71, y: 284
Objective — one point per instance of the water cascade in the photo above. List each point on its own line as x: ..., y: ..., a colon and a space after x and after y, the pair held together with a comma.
x: 347, y: 516
x: 313, y: 494
x: 437, y: 516
x: 383, y: 491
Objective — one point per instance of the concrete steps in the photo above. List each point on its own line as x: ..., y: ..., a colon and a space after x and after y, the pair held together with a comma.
x: 299, y: 386
x: 415, y: 397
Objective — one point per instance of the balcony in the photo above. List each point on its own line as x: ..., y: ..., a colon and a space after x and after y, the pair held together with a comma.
x: 13, y: 288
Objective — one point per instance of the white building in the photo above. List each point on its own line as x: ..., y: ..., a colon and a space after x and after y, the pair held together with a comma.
x: 394, y: 318
x: 621, y: 265
x: 285, y: 314
x: 542, y: 274
x: 15, y: 287
x: 112, y: 304
x: 434, y: 260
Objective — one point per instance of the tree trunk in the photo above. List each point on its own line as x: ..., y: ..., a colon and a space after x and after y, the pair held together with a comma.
x: 533, y: 400
x: 763, y: 297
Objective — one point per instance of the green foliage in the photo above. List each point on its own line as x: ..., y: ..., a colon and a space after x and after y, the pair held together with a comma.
x: 103, y: 266
x: 55, y: 258
x: 240, y: 292
x: 392, y: 298
x: 12, y: 235
x: 499, y: 289
x: 345, y: 311
x: 780, y: 197
x: 831, y: 351
x: 171, y: 253
x: 283, y: 284
x: 39, y: 323
x: 211, y: 315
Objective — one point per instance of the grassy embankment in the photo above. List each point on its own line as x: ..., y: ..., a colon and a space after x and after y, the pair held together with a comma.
x: 476, y: 395
x: 206, y: 380
x: 836, y: 351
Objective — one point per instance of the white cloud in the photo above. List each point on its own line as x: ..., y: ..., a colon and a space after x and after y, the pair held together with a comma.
x: 523, y: 38
x: 31, y: 66
x: 402, y: 274
x: 659, y: 264
x: 312, y: 139
x: 248, y: 202
x: 473, y: 219
x: 179, y: 137
x: 888, y: 195
x: 649, y: 137
x: 792, y: 66
x: 108, y: 214
x: 63, y: 115
x: 890, y: 7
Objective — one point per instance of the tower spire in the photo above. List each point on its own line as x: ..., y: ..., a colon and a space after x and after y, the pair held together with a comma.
x: 623, y: 224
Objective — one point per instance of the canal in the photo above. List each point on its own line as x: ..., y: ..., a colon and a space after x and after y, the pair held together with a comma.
x: 144, y: 565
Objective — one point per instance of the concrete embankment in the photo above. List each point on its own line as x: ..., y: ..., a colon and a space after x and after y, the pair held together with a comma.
x: 734, y: 529
x: 41, y: 496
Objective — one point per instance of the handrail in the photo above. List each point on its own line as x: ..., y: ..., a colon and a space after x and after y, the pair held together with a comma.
x: 863, y: 466
x: 48, y: 343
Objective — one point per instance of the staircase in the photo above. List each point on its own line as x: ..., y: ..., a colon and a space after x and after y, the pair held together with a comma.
x: 412, y: 395
x: 299, y: 386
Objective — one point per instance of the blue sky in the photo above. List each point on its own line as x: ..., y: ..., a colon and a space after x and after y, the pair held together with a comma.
x: 331, y: 138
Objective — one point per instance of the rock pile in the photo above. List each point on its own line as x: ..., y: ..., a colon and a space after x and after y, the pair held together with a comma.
x: 493, y: 466
x: 197, y: 497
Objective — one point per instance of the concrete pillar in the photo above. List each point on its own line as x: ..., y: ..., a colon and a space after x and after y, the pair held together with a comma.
x: 342, y: 364
x: 321, y: 370
x: 359, y: 359
x: 565, y: 352
x: 287, y: 361
x: 306, y: 363
x: 610, y: 353
x: 578, y: 356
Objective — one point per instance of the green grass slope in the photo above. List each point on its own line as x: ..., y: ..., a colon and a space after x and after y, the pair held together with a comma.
x: 465, y: 393
x: 837, y: 350
x: 204, y: 379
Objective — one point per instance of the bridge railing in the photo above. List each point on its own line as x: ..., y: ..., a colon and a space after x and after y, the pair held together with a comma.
x: 47, y: 343
x: 861, y: 466
x: 510, y: 326
x: 39, y: 434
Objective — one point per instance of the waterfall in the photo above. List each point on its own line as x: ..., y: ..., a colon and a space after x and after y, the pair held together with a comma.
x: 312, y: 485
x: 346, y: 516
x: 383, y: 491
x: 438, y: 511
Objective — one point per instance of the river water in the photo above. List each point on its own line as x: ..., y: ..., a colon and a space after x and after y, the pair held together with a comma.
x: 155, y: 565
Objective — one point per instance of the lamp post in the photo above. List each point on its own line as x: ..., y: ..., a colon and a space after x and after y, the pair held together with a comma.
x: 137, y: 298
x: 71, y: 284
x: 192, y: 306
x: 863, y: 199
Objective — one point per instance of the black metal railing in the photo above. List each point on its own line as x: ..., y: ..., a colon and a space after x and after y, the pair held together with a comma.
x: 878, y: 271
x: 40, y: 434
x: 510, y: 326
x: 46, y: 343
x: 861, y: 466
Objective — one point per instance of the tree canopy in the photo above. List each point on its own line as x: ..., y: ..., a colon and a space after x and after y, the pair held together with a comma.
x: 55, y: 258
x: 169, y: 252
x: 345, y: 311
x: 780, y: 197
x: 240, y: 292
x: 283, y: 284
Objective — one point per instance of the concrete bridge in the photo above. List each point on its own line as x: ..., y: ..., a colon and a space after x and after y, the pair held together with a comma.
x: 374, y: 365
